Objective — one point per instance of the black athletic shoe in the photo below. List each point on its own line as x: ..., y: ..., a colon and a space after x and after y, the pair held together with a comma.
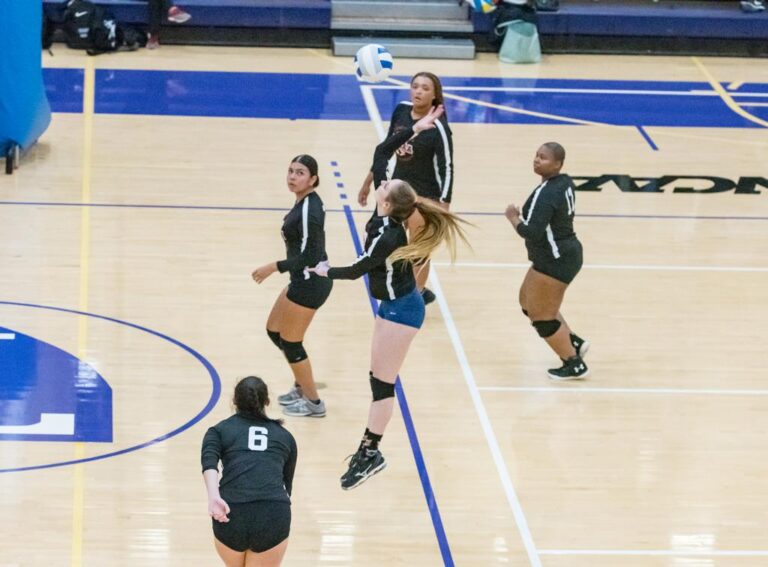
x: 581, y: 345
x: 363, y: 465
x: 427, y: 296
x: 572, y: 369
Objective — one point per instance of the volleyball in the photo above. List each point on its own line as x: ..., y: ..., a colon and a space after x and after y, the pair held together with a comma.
x: 482, y: 6
x: 373, y: 63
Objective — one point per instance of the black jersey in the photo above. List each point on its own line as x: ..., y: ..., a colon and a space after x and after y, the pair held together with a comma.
x: 547, y: 217
x: 258, y: 457
x: 304, y: 235
x: 426, y: 161
x: 388, y: 280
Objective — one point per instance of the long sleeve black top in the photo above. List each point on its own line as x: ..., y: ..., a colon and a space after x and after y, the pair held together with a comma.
x: 547, y: 216
x: 304, y: 235
x: 258, y: 458
x: 388, y: 280
x: 426, y: 161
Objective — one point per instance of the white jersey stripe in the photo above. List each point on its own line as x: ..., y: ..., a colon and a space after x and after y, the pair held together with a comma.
x: 533, y: 203
x: 305, y: 230
x: 304, y: 224
x: 368, y: 252
x: 446, y: 183
x: 552, y: 243
x: 437, y: 174
x: 390, y: 272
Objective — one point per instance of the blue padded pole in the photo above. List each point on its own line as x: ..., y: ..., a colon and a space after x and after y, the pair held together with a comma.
x: 24, y: 109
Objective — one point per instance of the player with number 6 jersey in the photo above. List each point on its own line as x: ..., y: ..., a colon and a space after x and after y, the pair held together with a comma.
x: 250, y: 504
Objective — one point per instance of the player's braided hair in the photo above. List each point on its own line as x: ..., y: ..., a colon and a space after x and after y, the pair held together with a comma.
x: 251, y: 398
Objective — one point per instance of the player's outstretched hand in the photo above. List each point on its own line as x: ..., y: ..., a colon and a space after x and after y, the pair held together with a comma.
x: 362, y: 196
x: 428, y: 121
x: 321, y: 269
x: 263, y: 272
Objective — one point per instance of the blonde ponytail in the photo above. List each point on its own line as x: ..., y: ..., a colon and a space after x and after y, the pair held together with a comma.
x: 439, y: 226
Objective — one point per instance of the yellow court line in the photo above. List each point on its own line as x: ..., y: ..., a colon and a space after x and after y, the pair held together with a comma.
x: 78, y: 490
x: 333, y: 59
x: 736, y: 85
x: 727, y: 98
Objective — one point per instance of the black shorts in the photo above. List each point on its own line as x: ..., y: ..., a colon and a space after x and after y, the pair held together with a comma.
x: 257, y: 526
x: 310, y: 293
x: 563, y: 268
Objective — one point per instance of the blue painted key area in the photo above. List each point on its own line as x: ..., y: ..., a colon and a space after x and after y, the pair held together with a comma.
x: 338, y: 97
x: 47, y: 394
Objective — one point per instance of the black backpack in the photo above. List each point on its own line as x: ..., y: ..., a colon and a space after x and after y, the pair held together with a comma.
x: 88, y: 26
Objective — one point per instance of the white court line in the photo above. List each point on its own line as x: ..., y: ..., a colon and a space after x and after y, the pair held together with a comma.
x: 49, y: 424
x: 373, y: 111
x: 611, y: 267
x: 732, y: 95
x: 753, y: 104
x: 695, y: 92
x: 578, y: 390
x: 7, y: 336
x: 485, y: 422
x: 493, y: 444
x: 661, y: 552
x: 375, y: 116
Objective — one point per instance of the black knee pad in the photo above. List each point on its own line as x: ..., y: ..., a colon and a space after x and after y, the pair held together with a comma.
x: 546, y: 328
x: 381, y: 390
x: 274, y: 336
x: 294, y: 352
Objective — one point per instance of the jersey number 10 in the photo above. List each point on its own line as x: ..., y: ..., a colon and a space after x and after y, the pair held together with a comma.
x: 257, y: 438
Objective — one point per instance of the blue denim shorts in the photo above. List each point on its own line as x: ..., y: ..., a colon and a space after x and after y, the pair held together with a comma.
x: 406, y: 310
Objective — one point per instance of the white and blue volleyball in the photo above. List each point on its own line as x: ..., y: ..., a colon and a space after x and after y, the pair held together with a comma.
x: 373, y: 63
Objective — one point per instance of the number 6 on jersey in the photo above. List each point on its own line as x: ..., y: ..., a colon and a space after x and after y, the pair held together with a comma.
x: 257, y: 438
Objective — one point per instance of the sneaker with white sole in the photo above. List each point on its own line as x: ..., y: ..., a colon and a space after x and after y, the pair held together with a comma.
x: 177, y: 15
x: 291, y: 397
x: 752, y: 6
x: 305, y: 408
x: 572, y: 369
x: 363, y: 465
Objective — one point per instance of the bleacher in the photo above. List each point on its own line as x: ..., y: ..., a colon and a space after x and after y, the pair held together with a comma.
x: 664, y: 26
x: 290, y: 14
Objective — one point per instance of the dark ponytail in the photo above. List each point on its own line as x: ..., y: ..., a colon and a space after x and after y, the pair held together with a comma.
x: 251, y: 397
x: 310, y: 163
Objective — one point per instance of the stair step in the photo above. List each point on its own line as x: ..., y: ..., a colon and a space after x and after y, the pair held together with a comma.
x: 421, y: 48
x: 400, y: 24
x: 412, y: 10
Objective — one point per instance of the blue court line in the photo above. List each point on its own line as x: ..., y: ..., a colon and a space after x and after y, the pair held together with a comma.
x: 630, y: 216
x: 141, y: 206
x: 648, y: 139
x: 215, y: 389
x: 418, y: 456
x: 286, y: 209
